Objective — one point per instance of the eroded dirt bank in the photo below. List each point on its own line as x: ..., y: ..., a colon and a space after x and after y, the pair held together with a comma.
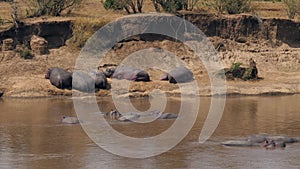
x: 272, y: 43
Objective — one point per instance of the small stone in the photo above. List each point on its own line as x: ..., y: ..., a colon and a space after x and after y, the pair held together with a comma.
x: 8, y: 44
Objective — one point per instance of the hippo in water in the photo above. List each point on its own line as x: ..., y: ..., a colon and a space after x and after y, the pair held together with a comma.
x: 69, y: 120
x: 179, y: 75
x: 83, y: 82
x: 129, y: 117
x: 100, y: 79
x: 59, y: 78
x: 131, y: 73
x: 262, y: 140
x: 126, y: 117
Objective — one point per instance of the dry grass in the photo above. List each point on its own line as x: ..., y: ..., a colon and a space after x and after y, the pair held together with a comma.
x: 270, y: 9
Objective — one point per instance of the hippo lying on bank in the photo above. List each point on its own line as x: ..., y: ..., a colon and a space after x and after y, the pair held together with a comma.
x: 70, y: 120
x: 179, y: 75
x: 100, y: 79
x: 260, y: 139
x: 130, y: 73
x: 59, y: 78
x: 125, y: 117
x: 83, y: 81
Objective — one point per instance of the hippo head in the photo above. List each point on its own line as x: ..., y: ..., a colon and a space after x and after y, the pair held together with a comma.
x: 47, y: 75
x: 109, y: 72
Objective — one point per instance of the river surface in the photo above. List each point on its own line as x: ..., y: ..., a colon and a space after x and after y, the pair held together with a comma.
x: 32, y: 136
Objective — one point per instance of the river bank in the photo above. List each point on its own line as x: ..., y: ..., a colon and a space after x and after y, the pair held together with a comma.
x: 275, y: 51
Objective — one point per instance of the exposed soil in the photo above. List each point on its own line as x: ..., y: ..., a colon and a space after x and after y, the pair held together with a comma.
x: 272, y: 43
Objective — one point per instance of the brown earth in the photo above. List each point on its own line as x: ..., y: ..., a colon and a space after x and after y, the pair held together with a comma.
x: 272, y: 43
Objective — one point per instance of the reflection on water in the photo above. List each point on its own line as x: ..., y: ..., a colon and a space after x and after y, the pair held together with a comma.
x: 32, y: 136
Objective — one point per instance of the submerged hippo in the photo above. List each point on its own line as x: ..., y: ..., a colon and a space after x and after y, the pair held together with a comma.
x: 70, y: 120
x: 179, y: 75
x: 83, y: 82
x: 114, y: 114
x: 160, y: 115
x: 59, y: 78
x: 131, y: 73
x: 129, y: 117
x: 261, y: 139
x: 100, y: 79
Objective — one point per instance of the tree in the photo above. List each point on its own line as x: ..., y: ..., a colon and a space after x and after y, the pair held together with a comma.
x: 292, y: 7
x: 168, y: 5
x: 130, y: 6
x: 52, y: 7
x: 232, y: 6
x: 189, y: 4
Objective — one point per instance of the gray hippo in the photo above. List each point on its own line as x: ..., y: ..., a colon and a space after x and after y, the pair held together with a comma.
x: 115, y: 115
x: 100, y: 79
x: 163, y: 115
x: 59, y: 78
x: 262, y: 140
x: 179, y: 75
x: 83, y: 82
x: 129, y: 117
x: 109, y: 72
x: 131, y: 73
x: 69, y: 120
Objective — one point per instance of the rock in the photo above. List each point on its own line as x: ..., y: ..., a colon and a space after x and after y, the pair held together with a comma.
x: 241, y: 39
x: 1, y: 93
x: 8, y: 55
x: 8, y: 44
x: 39, y: 45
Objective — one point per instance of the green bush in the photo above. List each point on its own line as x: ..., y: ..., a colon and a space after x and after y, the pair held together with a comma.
x: 235, y: 66
x: 171, y: 6
x: 232, y: 6
x: 238, y: 6
x: 113, y: 4
x: 26, y: 54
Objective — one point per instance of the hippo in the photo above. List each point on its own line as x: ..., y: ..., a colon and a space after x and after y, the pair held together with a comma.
x: 260, y: 140
x: 131, y: 73
x: 59, y: 78
x: 179, y: 75
x: 100, y: 79
x: 70, y: 120
x: 1, y: 93
x: 129, y: 117
x: 114, y: 114
x: 83, y: 82
x: 163, y: 115
x: 168, y: 116
x: 109, y: 72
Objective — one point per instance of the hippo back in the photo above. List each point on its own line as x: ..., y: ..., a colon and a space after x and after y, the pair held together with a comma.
x: 83, y: 82
x: 131, y: 73
x: 59, y: 78
x: 180, y: 75
x: 70, y: 120
x: 100, y: 79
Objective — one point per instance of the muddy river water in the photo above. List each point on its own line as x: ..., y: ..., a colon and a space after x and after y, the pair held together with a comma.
x: 32, y: 135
